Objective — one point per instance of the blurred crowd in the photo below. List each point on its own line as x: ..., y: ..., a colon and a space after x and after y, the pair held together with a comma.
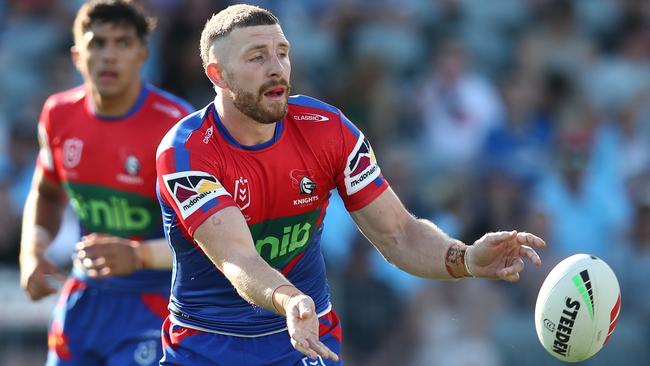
x: 484, y: 115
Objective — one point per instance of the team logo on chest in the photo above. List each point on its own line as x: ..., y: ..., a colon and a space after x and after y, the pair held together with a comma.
x: 307, y: 186
x: 72, y: 149
x: 301, y: 181
x: 132, y: 165
x: 242, y: 193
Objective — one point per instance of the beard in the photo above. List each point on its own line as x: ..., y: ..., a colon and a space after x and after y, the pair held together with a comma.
x: 251, y: 104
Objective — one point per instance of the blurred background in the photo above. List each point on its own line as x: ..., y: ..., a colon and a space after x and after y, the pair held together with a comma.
x: 485, y: 115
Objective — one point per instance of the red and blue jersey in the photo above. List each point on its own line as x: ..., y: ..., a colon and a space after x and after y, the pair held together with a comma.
x: 282, y: 189
x: 107, y: 167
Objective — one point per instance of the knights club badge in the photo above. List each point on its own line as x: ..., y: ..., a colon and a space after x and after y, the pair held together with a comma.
x: 242, y: 193
x: 72, y: 149
x: 300, y: 180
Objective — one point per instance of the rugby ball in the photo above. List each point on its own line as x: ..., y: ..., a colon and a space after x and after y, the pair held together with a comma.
x: 577, y: 308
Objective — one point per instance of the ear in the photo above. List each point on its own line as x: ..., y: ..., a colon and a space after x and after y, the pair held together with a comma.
x: 74, y: 55
x: 144, y: 53
x: 214, y: 71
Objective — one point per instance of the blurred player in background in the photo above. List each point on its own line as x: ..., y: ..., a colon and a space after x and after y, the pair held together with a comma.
x: 244, y: 184
x: 98, y: 144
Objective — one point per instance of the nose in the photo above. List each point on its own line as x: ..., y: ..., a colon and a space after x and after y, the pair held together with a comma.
x: 109, y: 53
x: 277, y: 67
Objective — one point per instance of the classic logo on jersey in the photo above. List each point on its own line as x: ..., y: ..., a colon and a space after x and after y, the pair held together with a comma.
x: 72, y: 149
x: 207, y: 135
x: 168, y: 109
x: 242, y: 193
x: 311, y: 117
x: 192, y: 189
x: 362, y: 166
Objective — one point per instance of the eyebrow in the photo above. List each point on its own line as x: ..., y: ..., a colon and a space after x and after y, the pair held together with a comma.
x: 284, y: 44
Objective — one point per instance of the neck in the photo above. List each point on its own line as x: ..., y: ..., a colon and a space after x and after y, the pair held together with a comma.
x: 116, y: 105
x: 245, y: 130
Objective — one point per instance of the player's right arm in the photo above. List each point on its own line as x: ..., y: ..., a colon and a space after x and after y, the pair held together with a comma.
x: 42, y: 216
x: 227, y: 241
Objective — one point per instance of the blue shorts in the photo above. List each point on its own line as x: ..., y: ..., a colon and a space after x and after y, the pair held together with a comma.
x: 98, y: 326
x: 185, y: 346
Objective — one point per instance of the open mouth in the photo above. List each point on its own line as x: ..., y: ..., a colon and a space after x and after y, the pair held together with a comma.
x: 275, y: 92
x: 108, y: 75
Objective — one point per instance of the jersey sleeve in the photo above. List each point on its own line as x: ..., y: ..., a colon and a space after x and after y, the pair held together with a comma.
x: 45, y: 160
x: 358, y: 180
x: 192, y: 191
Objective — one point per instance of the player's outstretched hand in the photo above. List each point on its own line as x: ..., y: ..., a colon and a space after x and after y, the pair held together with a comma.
x: 302, y: 323
x: 34, y: 273
x: 102, y: 255
x: 500, y: 255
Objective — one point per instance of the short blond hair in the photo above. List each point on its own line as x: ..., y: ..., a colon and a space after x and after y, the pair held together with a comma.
x: 234, y: 16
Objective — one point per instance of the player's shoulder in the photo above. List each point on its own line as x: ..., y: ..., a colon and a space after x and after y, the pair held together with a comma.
x: 309, y: 111
x: 168, y: 104
x: 66, y: 98
x: 300, y: 101
x: 179, y: 134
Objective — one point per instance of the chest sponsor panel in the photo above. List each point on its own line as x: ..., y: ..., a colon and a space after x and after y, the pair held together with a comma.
x: 106, y: 210
x: 280, y: 240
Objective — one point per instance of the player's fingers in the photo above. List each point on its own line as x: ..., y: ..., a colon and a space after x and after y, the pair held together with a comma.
x: 499, y: 236
x: 105, y: 271
x: 89, y: 251
x: 511, y: 278
x: 323, y: 350
x: 531, y: 254
x: 511, y: 273
x: 305, y: 311
x: 37, y: 287
x: 528, y: 238
x: 92, y: 273
x: 302, y: 346
x: 81, y: 254
x: 96, y: 263
x: 55, y: 273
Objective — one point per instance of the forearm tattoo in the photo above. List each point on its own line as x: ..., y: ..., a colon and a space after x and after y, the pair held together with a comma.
x: 455, y: 260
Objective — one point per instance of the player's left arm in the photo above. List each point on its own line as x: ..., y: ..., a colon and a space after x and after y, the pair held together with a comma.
x: 421, y: 248
x: 102, y: 255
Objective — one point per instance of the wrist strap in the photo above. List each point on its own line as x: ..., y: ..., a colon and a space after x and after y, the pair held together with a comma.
x: 273, y: 296
x: 466, y: 261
